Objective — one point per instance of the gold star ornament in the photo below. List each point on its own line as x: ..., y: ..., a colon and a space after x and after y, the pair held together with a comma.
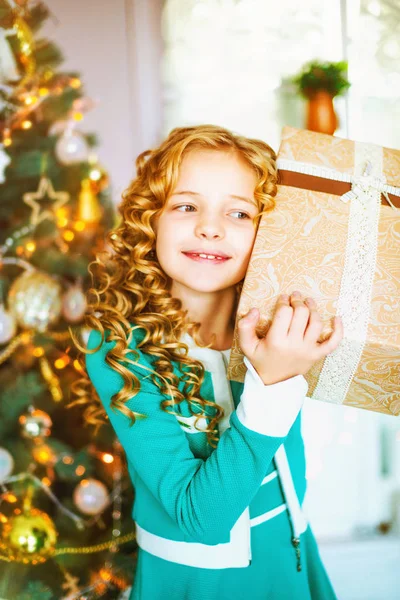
x: 45, y: 190
x: 71, y: 584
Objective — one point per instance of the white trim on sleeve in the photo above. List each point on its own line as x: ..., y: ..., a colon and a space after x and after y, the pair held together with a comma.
x: 268, y: 515
x: 270, y: 409
x: 270, y: 477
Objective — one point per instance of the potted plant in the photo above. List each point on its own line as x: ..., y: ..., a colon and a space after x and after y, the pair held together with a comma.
x: 320, y: 82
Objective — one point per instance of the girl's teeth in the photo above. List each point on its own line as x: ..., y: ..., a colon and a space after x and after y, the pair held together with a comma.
x: 210, y: 256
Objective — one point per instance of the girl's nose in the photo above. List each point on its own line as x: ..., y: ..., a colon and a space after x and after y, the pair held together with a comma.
x: 209, y: 227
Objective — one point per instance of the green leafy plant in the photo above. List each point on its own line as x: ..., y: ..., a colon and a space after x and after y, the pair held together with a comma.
x: 328, y: 76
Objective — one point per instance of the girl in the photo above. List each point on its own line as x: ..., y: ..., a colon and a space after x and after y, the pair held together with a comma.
x: 218, y: 466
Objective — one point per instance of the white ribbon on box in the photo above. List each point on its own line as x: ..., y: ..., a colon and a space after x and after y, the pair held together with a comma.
x: 354, y: 302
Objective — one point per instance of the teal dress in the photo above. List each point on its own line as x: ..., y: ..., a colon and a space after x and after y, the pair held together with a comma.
x: 216, y: 523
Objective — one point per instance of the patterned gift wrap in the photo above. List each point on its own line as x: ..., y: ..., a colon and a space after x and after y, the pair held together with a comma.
x: 335, y: 235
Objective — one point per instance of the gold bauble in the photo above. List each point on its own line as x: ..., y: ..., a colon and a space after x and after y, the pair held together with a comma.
x: 30, y: 537
x: 25, y: 50
x: 35, y: 300
x: 89, y: 208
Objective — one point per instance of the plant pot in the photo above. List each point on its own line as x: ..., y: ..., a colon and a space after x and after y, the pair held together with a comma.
x: 321, y: 114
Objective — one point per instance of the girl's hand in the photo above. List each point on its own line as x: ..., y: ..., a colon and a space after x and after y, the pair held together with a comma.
x: 290, y: 347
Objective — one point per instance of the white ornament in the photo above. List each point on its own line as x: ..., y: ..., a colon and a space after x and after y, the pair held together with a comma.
x: 71, y: 148
x: 91, y: 496
x: 6, y: 464
x: 4, y: 161
x: 74, y: 304
x: 8, y: 325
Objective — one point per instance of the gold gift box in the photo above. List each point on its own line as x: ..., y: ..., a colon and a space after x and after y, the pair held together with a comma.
x: 335, y: 236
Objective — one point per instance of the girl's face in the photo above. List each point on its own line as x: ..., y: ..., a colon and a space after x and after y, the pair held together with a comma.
x: 210, y: 211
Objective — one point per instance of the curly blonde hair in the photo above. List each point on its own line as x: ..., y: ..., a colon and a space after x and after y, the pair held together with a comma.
x: 130, y: 290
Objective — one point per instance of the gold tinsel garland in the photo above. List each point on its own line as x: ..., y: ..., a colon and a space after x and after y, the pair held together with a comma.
x: 23, y: 338
x: 129, y: 537
x: 51, y: 379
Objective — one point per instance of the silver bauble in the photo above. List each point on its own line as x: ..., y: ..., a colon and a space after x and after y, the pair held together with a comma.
x: 71, y: 148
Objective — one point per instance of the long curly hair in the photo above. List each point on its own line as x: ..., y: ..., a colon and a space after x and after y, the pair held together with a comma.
x: 130, y: 290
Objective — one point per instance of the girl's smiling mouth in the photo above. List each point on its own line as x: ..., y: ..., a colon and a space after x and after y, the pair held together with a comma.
x: 206, y: 258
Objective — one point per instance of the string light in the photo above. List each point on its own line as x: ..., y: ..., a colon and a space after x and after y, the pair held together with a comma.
x: 7, y: 138
x: 68, y: 235
x: 79, y: 226
x: 61, y: 363
x: 75, y: 83
x: 62, y: 222
x: 30, y: 100
x: 62, y: 217
x: 38, y: 351
x: 30, y: 246
x: 26, y: 124
x: 107, y: 458
x: 16, y: 235
x: 95, y: 174
x: 43, y: 454
x: 77, y: 366
x: 10, y: 497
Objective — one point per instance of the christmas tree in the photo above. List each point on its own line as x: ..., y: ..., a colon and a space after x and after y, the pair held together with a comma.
x: 65, y: 523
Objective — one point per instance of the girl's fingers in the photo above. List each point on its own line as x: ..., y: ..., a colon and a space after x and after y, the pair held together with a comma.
x: 334, y: 340
x: 282, y: 318
x: 248, y: 339
x: 300, y: 316
x: 315, y: 324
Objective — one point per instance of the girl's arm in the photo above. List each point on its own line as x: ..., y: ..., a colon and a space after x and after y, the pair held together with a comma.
x: 203, y: 497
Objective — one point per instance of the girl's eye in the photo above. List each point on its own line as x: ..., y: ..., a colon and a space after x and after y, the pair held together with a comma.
x: 246, y: 216
x: 184, y: 206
